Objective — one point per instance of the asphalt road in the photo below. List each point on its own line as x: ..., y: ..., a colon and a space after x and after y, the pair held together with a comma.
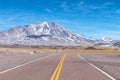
x: 56, y: 67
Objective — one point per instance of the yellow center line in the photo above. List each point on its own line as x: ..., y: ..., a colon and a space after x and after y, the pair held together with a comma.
x: 58, y: 69
x: 54, y: 74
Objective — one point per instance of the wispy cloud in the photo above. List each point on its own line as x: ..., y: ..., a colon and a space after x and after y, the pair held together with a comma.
x: 11, y: 20
x: 80, y: 5
x: 101, y: 6
x: 83, y: 6
x: 48, y: 10
x: 118, y: 11
x: 64, y: 6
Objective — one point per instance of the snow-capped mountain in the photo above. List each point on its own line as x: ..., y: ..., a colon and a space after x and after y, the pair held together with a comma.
x: 44, y: 33
x: 107, y: 42
x: 103, y: 41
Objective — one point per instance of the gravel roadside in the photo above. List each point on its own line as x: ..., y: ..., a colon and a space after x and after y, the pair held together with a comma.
x: 110, y: 63
x: 10, y: 59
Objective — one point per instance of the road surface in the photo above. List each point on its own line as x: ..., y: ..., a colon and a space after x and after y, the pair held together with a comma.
x: 56, y: 67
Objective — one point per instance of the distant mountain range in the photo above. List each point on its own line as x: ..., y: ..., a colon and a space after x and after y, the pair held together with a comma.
x: 48, y: 34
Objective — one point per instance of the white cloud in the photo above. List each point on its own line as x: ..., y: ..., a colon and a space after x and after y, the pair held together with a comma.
x: 48, y: 10
x: 86, y: 7
x: 107, y: 4
x: 13, y: 20
x: 81, y: 5
x: 64, y: 5
x: 101, y: 6
x: 118, y: 11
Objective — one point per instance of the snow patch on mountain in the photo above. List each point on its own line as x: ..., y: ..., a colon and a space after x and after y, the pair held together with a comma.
x: 44, y: 33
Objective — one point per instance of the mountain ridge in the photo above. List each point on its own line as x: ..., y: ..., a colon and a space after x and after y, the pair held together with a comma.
x: 48, y: 32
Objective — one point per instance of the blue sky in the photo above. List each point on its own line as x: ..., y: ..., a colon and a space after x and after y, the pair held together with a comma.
x: 93, y: 18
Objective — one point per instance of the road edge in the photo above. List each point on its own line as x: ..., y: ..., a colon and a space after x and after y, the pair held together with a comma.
x: 21, y: 65
x: 109, y: 76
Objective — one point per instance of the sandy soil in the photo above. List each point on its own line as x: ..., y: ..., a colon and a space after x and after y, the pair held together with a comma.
x: 110, y: 63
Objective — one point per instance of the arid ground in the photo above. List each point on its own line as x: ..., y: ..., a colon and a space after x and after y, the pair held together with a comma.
x: 51, y: 64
